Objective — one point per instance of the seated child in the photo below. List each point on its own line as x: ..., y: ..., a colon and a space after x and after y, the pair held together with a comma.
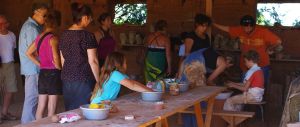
x: 112, y: 77
x: 252, y: 86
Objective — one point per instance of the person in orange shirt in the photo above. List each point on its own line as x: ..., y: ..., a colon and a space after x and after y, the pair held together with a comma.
x: 253, y: 37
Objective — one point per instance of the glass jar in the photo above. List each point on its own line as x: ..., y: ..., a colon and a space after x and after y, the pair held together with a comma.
x: 174, y: 89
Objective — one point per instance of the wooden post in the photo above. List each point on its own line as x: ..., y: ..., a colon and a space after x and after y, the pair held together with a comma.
x: 208, y: 11
x: 208, y: 7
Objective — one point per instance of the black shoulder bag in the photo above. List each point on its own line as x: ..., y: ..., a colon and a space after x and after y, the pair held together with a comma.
x: 40, y: 41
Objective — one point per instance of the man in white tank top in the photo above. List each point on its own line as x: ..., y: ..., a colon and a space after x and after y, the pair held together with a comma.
x: 7, y: 69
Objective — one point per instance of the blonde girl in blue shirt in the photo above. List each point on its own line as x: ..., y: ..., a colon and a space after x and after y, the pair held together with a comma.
x: 112, y: 77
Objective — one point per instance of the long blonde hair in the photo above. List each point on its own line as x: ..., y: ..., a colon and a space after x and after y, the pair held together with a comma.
x: 195, y: 73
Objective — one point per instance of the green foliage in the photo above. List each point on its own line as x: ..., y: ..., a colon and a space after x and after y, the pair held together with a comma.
x: 135, y: 14
x: 296, y: 23
x: 275, y: 15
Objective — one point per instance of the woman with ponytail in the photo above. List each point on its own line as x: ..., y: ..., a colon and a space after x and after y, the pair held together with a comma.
x: 80, y: 67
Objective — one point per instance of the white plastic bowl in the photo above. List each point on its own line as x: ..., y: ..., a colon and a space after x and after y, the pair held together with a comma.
x: 224, y: 95
x: 95, y: 114
x: 152, y: 96
x: 183, y: 87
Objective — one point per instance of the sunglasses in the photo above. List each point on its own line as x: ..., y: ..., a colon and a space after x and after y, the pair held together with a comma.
x: 44, y: 16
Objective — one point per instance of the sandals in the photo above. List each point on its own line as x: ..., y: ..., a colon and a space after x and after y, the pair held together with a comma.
x: 8, y: 116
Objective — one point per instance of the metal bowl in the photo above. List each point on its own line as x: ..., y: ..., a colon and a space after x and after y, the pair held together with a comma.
x: 152, y: 96
x: 183, y: 87
x: 95, y: 114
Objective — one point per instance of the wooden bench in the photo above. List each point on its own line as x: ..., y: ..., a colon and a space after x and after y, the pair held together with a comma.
x: 233, y: 118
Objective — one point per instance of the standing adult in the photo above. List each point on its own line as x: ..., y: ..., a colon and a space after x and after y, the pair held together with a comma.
x: 158, y: 58
x: 29, y: 31
x: 49, y: 83
x: 78, y: 51
x: 7, y: 70
x: 105, y: 37
x: 253, y: 37
x: 198, y: 39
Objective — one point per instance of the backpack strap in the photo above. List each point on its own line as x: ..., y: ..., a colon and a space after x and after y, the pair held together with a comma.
x: 40, y: 41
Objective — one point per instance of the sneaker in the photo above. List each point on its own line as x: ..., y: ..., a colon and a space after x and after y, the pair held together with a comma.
x: 9, y: 116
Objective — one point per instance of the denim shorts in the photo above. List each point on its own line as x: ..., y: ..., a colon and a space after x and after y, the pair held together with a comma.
x: 49, y: 82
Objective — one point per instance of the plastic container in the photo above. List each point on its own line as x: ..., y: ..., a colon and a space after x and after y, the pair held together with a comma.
x: 159, y: 105
x: 95, y: 114
x: 183, y: 87
x: 224, y: 95
x: 152, y: 96
x: 174, y: 89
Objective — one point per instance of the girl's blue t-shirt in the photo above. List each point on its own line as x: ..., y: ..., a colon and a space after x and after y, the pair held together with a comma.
x: 111, y: 87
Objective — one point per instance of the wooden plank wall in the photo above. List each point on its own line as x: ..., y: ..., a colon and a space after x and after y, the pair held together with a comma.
x: 178, y: 13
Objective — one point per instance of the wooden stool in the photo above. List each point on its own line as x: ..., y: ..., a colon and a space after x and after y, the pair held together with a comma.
x: 261, y: 107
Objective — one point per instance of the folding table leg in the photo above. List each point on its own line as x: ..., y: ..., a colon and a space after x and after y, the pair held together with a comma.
x: 209, y: 111
x: 198, y: 113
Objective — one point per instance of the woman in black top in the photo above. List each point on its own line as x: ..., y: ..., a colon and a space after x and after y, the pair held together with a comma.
x: 198, y: 39
x: 78, y: 50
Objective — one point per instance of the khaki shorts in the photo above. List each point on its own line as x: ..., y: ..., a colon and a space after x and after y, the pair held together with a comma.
x: 8, y: 77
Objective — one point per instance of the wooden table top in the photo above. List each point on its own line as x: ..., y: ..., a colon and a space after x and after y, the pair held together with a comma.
x: 144, y: 112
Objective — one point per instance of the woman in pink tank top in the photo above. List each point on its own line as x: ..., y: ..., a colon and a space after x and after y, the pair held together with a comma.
x: 49, y: 83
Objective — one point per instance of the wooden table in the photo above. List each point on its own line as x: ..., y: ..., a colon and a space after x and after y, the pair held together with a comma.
x: 144, y: 112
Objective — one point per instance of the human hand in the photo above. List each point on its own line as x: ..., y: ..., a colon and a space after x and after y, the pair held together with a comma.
x: 229, y: 84
x: 269, y: 51
x: 210, y: 83
x: 169, y: 71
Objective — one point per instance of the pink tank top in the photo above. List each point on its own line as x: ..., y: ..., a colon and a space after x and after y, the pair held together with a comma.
x: 45, y: 52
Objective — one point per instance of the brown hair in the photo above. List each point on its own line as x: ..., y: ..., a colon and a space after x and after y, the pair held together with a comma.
x: 201, y: 19
x: 39, y: 5
x: 252, y: 55
x: 113, y: 61
x: 160, y: 25
x: 102, y: 17
x: 53, y: 19
x: 80, y: 10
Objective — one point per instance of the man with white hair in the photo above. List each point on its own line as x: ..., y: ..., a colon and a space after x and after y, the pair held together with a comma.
x: 29, y: 31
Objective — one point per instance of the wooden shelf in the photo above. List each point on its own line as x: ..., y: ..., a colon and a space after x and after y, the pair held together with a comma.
x: 285, y: 60
x: 132, y: 45
x: 229, y: 50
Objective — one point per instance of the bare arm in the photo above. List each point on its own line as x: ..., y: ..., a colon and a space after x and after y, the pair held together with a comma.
x: 168, y: 55
x: 188, y: 42
x: 94, y: 63
x: 134, y: 85
x: 98, y: 36
x: 271, y: 48
x: 240, y: 86
x: 221, y: 66
x: 56, y: 57
x: 31, y: 51
x: 62, y: 59
x: 180, y: 70
x: 221, y: 27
